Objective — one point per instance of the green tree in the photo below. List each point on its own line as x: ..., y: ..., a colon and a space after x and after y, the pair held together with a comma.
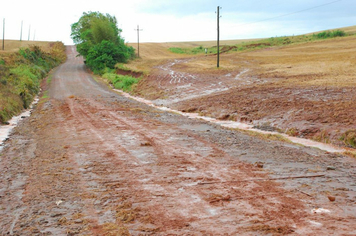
x: 106, y: 54
x: 98, y: 40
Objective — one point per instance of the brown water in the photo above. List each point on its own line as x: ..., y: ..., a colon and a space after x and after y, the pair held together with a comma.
x: 5, y: 130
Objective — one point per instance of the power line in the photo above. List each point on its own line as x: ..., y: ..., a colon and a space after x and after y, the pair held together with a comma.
x: 292, y: 13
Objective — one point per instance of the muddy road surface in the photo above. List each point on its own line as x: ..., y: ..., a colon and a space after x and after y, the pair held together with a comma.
x: 89, y: 161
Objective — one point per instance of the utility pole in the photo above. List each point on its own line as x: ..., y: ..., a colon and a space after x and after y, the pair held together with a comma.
x: 3, y: 35
x: 138, y: 40
x: 29, y: 33
x: 21, y: 31
x: 218, y: 17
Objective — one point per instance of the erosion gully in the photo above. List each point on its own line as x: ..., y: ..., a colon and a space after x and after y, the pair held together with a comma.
x: 90, y: 161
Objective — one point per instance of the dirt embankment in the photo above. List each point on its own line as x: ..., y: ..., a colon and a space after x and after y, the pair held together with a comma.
x: 91, y: 162
x: 306, y: 90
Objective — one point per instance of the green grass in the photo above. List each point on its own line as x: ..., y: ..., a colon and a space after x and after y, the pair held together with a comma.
x: 123, y: 82
x: 20, y: 76
x: 45, y: 95
x: 262, y: 43
x: 330, y: 34
x: 193, y: 51
x: 121, y: 66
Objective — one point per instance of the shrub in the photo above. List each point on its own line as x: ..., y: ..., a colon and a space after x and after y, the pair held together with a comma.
x: 105, y: 54
x: 330, y: 34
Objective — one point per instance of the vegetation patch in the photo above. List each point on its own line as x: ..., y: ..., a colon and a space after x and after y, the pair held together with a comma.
x: 193, y: 51
x: 330, y: 34
x: 123, y: 82
x: 350, y: 153
x: 260, y: 44
x: 349, y: 138
x: 322, y: 136
x: 21, y: 73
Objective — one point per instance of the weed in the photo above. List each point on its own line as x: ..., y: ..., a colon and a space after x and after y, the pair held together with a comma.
x: 114, y: 229
x: 323, y: 136
x: 45, y: 94
x: 126, y: 215
x: 350, y: 153
x: 349, y: 138
x: 292, y: 132
x: 266, y: 136
x: 49, y: 79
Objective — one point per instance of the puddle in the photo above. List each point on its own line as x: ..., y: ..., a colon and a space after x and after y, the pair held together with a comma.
x: 5, y: 130
x: 239, y: 125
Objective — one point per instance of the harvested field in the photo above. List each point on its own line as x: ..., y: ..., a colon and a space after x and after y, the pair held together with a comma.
x: 306, y: 89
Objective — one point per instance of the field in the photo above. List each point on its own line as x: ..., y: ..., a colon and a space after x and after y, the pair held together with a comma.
x: 305, y: 89
x: 15, y: 45
x: 90, y: 160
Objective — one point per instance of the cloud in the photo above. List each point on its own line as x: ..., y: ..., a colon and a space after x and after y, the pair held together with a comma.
x: 184, y: 20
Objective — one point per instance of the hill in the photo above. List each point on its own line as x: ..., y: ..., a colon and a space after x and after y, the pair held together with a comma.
x: 301, y: 86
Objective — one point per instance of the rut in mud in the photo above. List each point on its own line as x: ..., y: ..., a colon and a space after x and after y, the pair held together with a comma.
x: 91, y: 162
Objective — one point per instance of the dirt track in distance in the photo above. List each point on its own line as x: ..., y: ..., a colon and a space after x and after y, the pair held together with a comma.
x: 89, y: 161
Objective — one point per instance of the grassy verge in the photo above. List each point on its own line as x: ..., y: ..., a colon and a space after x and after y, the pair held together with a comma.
x: 193, y: 51
x: 123, y: 82
x: 21, y: 73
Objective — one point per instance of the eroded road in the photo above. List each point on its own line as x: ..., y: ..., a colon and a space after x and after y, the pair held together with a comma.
x: 91, y: 162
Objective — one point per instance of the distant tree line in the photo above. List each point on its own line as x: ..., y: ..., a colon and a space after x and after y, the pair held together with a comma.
x: 98, y: 40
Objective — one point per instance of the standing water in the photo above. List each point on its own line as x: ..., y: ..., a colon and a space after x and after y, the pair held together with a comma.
x: 5, y: 130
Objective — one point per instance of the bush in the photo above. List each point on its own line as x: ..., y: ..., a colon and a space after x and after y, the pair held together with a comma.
x: 330, y: 34
x: 105, y: 54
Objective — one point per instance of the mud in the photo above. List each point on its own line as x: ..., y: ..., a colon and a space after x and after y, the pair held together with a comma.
x: 92, y: 162
x: 305, y: 90
x: 265, y: 129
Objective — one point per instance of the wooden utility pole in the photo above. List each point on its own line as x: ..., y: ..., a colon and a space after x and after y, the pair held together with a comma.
x: 3, y: 35
x: 138, y: 40
x: 218, y: 46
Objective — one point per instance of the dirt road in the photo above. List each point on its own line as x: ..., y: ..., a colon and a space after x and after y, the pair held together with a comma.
x: 91, y: 162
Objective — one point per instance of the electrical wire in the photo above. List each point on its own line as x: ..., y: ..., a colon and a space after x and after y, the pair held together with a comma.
x: 292, y: 13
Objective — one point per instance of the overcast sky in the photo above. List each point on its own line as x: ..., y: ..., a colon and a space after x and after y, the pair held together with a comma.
x: 178, y: 20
